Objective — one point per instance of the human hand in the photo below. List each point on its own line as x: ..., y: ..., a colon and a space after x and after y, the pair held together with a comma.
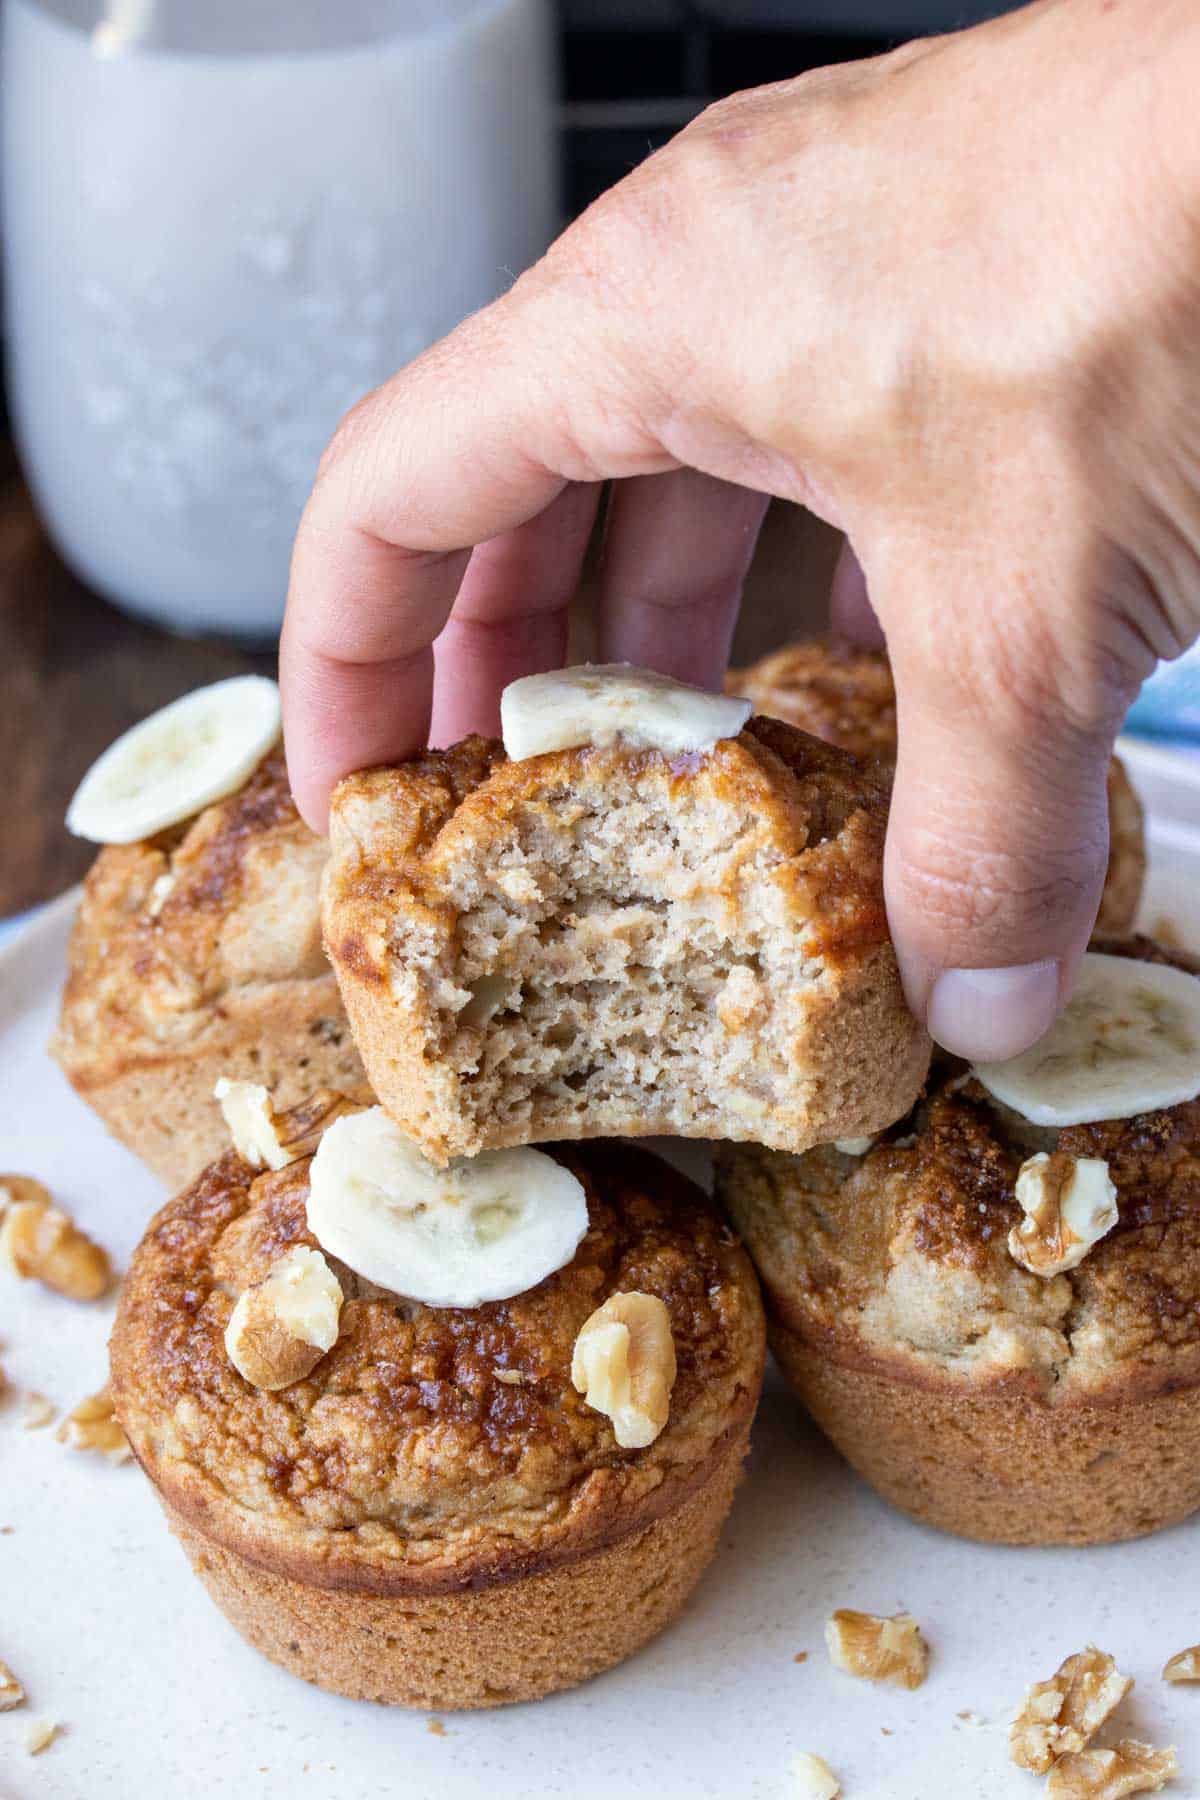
x: 948, y: 299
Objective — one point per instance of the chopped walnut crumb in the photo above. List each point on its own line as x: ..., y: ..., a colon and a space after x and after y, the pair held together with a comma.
x: 38, y: 1412
x: 303, y: 1128
x: 741, y: 1000
x: 11, y: 1691
x: 269, y: 1140
x: 20, y: 1190
x: 1059, y: 1716
x: 1184, y: 1665
x: 812, y: 1778
x: 40, y: 1734
x: 878, y: 1649
x: 251, y: 1122
x: 92, y: 1425
x: 1069, y: 1203
x: 510, y: 1377
x: 1129, y: 1768
x: 282, y: 1326
x: 624, y: 1366
x: 40, y: 1241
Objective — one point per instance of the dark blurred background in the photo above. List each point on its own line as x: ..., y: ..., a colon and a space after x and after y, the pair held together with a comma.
x: 634, y: 71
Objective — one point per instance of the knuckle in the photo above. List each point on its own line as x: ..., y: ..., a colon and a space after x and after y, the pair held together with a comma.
x: 1000, y: 894
x: 614, y: 252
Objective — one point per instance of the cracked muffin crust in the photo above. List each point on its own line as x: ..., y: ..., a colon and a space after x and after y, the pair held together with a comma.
x: 434, y: 1516
x: 971, y: 1393
x: 197, y: 954
x: 601, y: 942
x: 844, y: 693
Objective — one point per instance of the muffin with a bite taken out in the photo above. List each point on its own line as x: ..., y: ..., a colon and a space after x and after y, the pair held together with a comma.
x: 994, y: 1312
x: 440, y: 1505
x: 644, y: 914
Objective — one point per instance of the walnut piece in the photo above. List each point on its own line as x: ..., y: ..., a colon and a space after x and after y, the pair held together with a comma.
x: 878, y: 1649
x: 11, y: 1691
x: 1069, y: 1203
x: 37, y: 1412
x: 40, y: 1240
x: 282, y: 1326
x: 741, y: 999
x: 251, y: 1121
x: 1130, y: 1768
x: 624, y: 1366
x: 92, y: 1425
x: 1184, y: 1665
x: 812, y: 1778
x: 301, y: 1130
x: 1058, y: 1717
x: 39, y: 1735
x: 270, y: 1140
x: 15, y: 1190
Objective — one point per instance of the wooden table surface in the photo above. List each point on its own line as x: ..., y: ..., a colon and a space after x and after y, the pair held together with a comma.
x: 76, y: 672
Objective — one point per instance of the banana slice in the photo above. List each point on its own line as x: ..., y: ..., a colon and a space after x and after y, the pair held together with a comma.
x: 177, y: 761
x: 486, y: 1228
x: 597, y: 703
x: 1128, y: 1042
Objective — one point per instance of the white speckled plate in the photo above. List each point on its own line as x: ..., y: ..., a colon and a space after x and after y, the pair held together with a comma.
x: 157, y: 1696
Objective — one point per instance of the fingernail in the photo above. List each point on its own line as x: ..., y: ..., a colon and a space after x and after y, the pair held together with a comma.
x: 986, y: 1015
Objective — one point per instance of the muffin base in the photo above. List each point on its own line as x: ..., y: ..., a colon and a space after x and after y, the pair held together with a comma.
x: 1004, y: 1467
x: 476, y: 1647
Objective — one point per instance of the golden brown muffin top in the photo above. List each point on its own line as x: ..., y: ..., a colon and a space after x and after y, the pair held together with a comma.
x: 167, y: 927
x: 409, y: 1457
x: 399, y: 834
x: 838, y: 691
x: 902, y: 1254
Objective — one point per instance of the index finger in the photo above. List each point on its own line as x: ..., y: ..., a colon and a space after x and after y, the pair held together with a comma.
x: 474, y: 439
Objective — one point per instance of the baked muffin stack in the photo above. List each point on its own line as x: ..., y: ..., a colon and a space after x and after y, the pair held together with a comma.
x: 440, y: 1418
x: 444, y: 1419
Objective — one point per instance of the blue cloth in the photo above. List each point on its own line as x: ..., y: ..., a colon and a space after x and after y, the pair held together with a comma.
x: 1169, y: 703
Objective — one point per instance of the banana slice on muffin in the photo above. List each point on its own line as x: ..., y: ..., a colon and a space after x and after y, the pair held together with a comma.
x: 200, y: 748
x: 445, y: 1506
x: 197, y: 952
x: 997, y: 1319
x: 844, y: 693
x: 657, y: 930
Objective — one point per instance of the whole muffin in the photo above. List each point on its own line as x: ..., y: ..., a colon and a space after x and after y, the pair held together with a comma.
x: 845, y: 694
x: 618, y: 941
x: 433, y: 1516
x: 971, y: 1392
x: 197, y: 954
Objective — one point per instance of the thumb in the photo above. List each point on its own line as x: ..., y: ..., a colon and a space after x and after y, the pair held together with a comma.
x: 998, y: 837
